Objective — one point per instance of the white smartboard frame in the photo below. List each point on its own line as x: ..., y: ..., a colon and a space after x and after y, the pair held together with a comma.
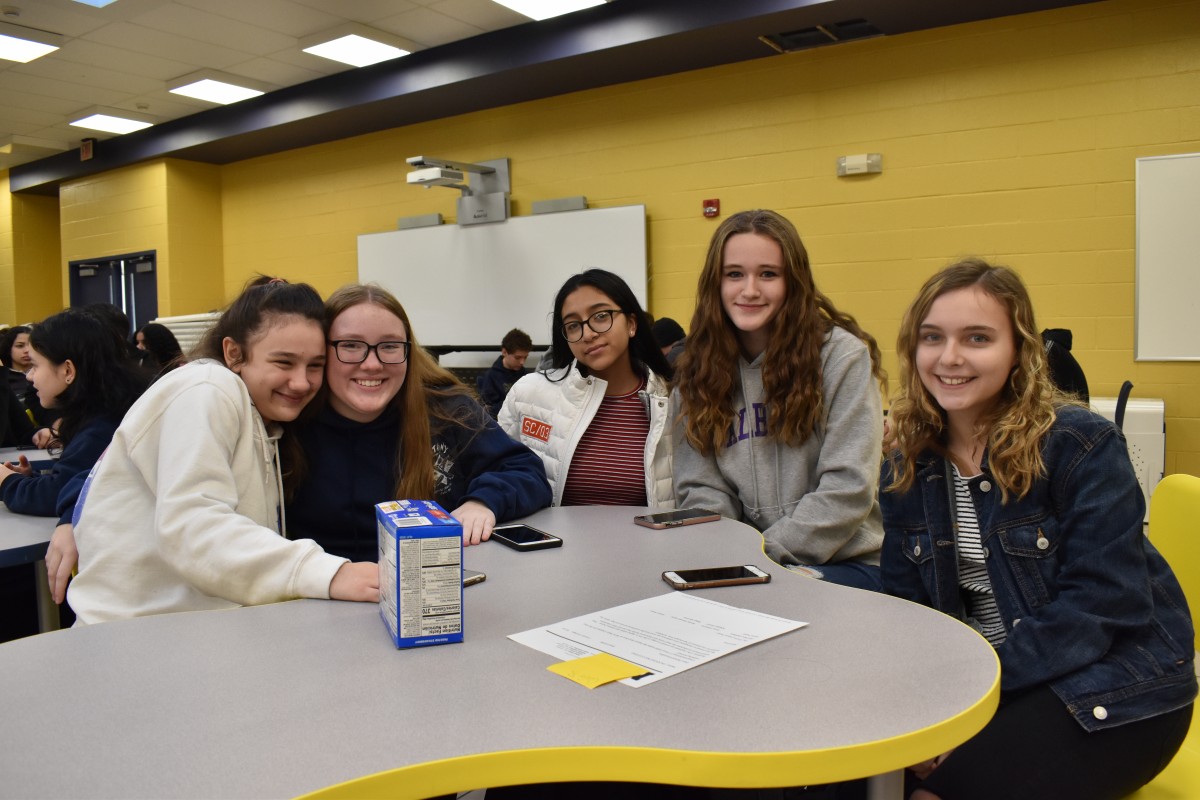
x: 1167, y: 283
x: 469, y: 285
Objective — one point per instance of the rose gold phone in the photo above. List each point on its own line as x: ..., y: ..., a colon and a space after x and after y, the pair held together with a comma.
x: 715, y: 576
x: 673, y: 519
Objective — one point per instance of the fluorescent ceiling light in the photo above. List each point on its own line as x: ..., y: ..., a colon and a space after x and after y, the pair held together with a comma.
x: 96, y: 3
x: 111, y: 120
x: 545, y: 9
x: 18, y: 43
x: 216, y: 87
x: 356, y: 45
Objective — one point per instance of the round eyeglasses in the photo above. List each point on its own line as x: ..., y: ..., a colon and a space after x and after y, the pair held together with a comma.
x: 353, y: 351
x: 599, y: 322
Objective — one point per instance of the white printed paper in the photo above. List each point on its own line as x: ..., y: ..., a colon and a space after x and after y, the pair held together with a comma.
x: 665, y: 634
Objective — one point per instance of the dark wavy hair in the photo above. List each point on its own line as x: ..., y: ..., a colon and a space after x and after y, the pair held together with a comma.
x: 707, y: 370
x: 6, y: 342
x: 644, y: 352
x: 262, y: 302
x: 162, y: 344
x: 106, y: 381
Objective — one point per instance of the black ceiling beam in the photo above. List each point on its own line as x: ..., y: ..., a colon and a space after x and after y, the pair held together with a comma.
x: 610, y: 44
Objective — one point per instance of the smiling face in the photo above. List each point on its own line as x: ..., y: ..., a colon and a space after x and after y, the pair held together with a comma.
x: 281, y: 365
x: 965, y: 353
x: 752, y: 288
x: 20, y: 358
x: 361, y: 392
x: 606, y: 355
x: 49, y: 379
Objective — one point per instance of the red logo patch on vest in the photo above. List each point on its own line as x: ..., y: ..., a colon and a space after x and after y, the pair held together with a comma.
x: 536, y: 428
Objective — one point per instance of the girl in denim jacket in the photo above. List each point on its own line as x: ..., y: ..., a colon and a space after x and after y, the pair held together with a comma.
x: 1019, y: 513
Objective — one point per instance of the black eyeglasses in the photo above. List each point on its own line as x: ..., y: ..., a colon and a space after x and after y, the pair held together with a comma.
x: 599, y: 322
x: 353, y: 351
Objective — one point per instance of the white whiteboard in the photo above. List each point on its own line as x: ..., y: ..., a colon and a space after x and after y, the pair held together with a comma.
x: 1167, y: 308
x: 470, y: 285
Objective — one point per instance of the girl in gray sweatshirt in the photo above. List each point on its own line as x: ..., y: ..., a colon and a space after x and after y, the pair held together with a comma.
x: 778, y: 418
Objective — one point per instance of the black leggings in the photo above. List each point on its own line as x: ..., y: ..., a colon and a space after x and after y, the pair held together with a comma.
x: 1034, y: 749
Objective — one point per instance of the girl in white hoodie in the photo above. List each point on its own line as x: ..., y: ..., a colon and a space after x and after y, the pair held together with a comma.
x: 183, y: 511
x: 780, y: 420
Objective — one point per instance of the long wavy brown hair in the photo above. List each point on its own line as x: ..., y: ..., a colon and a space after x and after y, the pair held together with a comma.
x: 707, y: 371
x: 422, y: 400
x: 1023, y: 413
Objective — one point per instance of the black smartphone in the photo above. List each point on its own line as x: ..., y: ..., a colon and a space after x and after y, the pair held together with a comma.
x: 715, y: 576
x: 524, y: 537
x: 672, y: 519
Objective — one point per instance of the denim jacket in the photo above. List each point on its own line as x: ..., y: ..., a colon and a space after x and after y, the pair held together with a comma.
x: 1089, y: 606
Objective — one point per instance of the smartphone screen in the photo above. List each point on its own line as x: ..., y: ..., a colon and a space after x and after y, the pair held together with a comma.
x: 521, y: 534
x: 714, y: 574
x: 524, y: 537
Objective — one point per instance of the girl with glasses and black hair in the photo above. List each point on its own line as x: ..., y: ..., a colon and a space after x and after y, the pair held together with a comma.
x: 596, y: 409
x: 183, y: 511
x: 781, y: 421
x: 394, y: 425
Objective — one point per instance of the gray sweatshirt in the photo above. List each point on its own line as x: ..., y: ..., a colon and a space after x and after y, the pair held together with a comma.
x: 815, y: 503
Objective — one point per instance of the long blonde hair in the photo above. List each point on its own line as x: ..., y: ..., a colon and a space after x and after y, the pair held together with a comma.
x: 1023, y: 413
x: 707, y: 370
x: 421, y: 401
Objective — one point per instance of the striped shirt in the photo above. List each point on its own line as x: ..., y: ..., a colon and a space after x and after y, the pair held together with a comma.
x: 607, y: 467
x: 982, y: 612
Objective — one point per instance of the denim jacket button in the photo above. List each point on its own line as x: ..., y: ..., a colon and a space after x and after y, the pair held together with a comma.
x: 917, y: 550
x: 985, y: 486
x: 1100, y: 712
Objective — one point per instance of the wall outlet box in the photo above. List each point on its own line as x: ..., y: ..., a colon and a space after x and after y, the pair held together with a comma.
x: 420, y: 573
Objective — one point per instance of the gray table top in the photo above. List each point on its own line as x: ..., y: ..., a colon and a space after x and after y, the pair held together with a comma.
x: 23, y: 539
x: 280, y: 700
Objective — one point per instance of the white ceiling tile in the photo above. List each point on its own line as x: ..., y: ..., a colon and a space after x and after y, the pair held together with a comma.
x: 482, y: 14
x: 283, y: 16
x: 204, y: 27
x: 429, y: 28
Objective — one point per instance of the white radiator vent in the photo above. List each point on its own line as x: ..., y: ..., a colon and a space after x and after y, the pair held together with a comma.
x: 189, y: 328
x: 1146, y: 433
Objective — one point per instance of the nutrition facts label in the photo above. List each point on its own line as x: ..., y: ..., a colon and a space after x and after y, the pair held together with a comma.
x: 430, y: 591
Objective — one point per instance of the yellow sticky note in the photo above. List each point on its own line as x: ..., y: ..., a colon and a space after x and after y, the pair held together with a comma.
x: 597, y: 670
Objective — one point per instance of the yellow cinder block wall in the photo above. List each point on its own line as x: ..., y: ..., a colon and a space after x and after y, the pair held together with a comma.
x: 1013, y: 139
x: 37, y: 253
x: 8, y: 288
x: 113, y: 213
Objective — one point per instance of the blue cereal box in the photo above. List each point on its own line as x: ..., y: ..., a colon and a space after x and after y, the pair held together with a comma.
x: 420, y: 573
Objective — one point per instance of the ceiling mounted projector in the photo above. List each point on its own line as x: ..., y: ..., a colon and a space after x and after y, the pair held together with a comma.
x: 437, y: 176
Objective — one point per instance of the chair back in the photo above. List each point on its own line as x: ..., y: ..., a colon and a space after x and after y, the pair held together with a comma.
x: 1174, y: 515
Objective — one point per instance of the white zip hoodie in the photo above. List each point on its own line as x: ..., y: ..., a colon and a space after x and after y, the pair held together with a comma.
x: 816, y: 503
x: 550, y: 416
x: 183, y: 513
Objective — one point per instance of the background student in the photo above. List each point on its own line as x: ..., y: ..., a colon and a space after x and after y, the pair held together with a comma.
x: 596, y: 409
x: 509, y: 368
x: 14, y: 354
x: 183, y: 512
x: 1009, y: 507
x: 778, y: 391
x: 395, y: 425
x: 80, y: 373
x: 160, y: 350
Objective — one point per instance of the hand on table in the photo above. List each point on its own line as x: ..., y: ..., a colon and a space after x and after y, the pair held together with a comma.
x: 20, y: 467
x: 477, y: 521
x: 357, y: 581
x: 61, y: 558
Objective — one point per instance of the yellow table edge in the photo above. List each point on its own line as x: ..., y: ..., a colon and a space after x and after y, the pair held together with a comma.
x: 657, y: 765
